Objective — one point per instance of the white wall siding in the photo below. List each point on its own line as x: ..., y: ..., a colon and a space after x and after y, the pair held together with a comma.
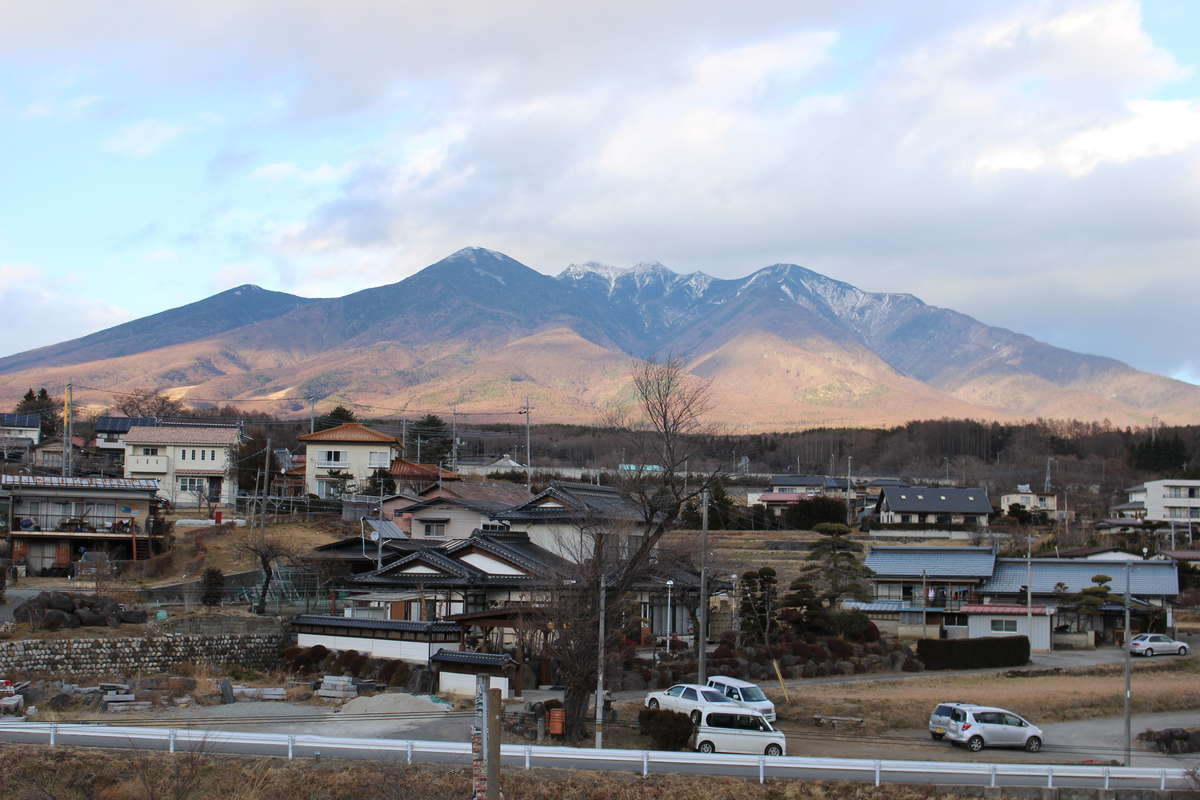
x: 980, y: 626
x: 415, y: 652
x: 464, y: 684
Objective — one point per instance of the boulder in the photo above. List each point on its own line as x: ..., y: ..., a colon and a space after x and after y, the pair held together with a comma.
x: 53, y: 619
x: 132, y: 616
x: 89, y: 618
x: 60, y: 601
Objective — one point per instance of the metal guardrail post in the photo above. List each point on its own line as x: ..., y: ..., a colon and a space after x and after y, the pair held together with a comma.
x: 1107, y: 776
x: 645, y: 763
x: 408, y: 750
x: 762, y: 769
x: 528, y: 755
x: 171, y: 741
x: 1162, y: 784
x: 878, y: 769
x: 993, y: 781
x: 53, y: 735
x: 291, y: 747
x: 1050, y: 777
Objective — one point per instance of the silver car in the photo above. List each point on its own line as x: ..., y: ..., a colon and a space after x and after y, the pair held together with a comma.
x: 983, y: 726
x: 1150, y: 644
x: 941, y: 716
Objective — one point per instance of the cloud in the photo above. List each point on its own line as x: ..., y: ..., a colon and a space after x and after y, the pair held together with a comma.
x: 31, y: 298
x: 52, y: 107
x: 143, y: 139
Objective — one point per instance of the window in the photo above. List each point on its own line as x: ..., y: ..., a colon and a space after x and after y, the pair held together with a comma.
x: 183, y: 455
x: 191, y: 484
x: 1013, y: 719
x: 675, y: 691
x: 435, y: 528
x: 201, y: 455
x: 955, y: 620
x: 378, y: 460
x: 689, y: 694
x: 722, y: 720
x: 332, y: 458
x: 212, y: 455
x: 149, y: 451
x: 1004, y: 626
x: 712, y: 696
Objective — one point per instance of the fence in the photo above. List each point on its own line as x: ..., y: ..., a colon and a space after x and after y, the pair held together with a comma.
x: 640, y: 761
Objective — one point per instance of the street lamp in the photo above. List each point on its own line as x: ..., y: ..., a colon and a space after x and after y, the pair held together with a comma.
x: 737, y: 625
x: 670, y: 618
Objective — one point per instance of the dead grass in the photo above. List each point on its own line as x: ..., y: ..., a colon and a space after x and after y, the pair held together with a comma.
x: 70, y: 774
x: 1088, y: 693
x: 23, y: 631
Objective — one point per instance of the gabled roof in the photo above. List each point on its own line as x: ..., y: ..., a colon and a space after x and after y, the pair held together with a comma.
x: 536, y: 563
x: 936, y: 562
x: 818, y: 481
x: 412, y: 471
x: 1147, y: 577
x: 53, y: 482
x: 575, y: 501
x: 20, y: 420
x: 374, y: 624
x: 935, y: 499
x: 173, y: 434
x: 482, y: 497
x: 349, y: 432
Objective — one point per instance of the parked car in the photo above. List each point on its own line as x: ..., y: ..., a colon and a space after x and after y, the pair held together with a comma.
x: 738, y: 730
x: 689, y: 698
x: 941, y: 716
x: 1148, y: 644
x: 982, y: 726
x: 744, y: 693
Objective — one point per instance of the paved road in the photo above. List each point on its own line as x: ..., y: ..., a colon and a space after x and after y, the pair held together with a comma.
x: 515, y: 758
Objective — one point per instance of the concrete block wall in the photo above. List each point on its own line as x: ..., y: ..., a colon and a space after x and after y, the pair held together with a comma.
x: 126, y: 656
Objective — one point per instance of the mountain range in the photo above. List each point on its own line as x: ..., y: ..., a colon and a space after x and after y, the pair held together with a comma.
x: 784, y: 347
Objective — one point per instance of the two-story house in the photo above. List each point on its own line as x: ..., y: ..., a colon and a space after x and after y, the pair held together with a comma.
x: 1034, y: 502
x: 193, y: 466
x: 344, y: 457
x: 1167, y: 500
x: 21, y: 426
x: 788, y: 489
x: 933, y: 505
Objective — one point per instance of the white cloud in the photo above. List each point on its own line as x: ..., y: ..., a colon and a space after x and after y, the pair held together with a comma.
x: 51, y: 107
x: 143, y: 139
x: 31, y: 297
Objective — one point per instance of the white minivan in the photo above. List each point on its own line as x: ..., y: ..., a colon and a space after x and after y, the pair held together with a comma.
x: 741, y: 730
x: 744, y: 693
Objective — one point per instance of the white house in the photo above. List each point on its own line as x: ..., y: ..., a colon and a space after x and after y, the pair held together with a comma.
x: 1167, y: 500
x: 1034, y: 502
x: 21, y: 426
x: 192, y: 465
x: 350, y: 451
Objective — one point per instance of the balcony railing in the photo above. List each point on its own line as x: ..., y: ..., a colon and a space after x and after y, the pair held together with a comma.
x: 148, y: 464
x: 333, y: 464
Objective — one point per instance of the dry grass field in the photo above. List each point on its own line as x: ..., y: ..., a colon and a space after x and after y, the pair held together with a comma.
x: 1076, y: 695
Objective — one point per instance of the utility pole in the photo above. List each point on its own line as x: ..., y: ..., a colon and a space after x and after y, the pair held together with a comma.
x: 266, y: 484
x: 404, y: 438
x: 1046, y: 488
x: 849, y: 494
x: 68, y: 430
x: 1029, y: 587
x: 527, y: 411
x: 312, y: 413
x: 1128, y: 675
x: 702, y: 634
x: 600, y: 669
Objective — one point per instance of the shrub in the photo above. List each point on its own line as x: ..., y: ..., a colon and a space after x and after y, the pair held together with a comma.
x: 724, y: 651
x: 991, y: 651
x: 854, y: 625
x: 668, y: 730
x: 911, y: 665
x: 839, y: 648
x: 212, y: 587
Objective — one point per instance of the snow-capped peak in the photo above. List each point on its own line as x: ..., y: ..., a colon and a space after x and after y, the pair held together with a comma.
x: 473, y: 254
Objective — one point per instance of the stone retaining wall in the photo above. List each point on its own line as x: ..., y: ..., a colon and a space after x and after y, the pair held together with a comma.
x: 128, y: 656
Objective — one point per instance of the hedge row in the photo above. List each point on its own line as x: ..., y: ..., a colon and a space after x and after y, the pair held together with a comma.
x: 990, y: 651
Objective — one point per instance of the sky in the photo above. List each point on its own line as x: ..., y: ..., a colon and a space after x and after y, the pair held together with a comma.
x: 1035, y: 164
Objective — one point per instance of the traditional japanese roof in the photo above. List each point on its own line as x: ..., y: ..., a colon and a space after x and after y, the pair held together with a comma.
x: 984, y: 608
x: 349, y: 432
x: 935, y: 562
x: 1182, y: 555
x: 573, y: 501
x: 482, y: 497
x: 172, y: 434
x: 475, y: 659
x: 412, y: 471
x: 534, y: 563
x: 21, y: 421
x: 1159, y: 578
x: 374, y: 624
x: 55, y: 482
x: 935, y: 500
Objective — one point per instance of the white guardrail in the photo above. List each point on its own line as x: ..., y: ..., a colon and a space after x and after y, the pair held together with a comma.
x: 646, y: 761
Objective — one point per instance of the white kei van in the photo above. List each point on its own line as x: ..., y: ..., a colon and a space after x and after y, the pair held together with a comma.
x: 741, y: 730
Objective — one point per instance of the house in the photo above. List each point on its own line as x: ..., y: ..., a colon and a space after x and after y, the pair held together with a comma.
x: 55, y: 519
x: 1167, y: 500
x: 453, y: 510
x: 345, y: 454
x: 21, y: 426
x: 562, y: 517
x: 1034, y: 502
x: 15, y: 449
x: 414, y: 476
x: 932, y: 505
x: 405, y: 640
x: 194, y: 466
x: 875, y: 486
x: 786, y: 490
x: 1092, y: 554
x: 942, y: 587
x: 48, y: 454
x: 111, y: 433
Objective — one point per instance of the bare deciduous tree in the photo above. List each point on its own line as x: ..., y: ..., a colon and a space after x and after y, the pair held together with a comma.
x: 268, y: 551
x: 149, y: 403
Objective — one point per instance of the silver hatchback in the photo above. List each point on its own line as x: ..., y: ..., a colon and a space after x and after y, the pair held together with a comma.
x: 983, y: 726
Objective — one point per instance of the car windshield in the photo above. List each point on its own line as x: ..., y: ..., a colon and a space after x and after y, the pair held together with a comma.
x: 753, y: 694
x: 715, y: 697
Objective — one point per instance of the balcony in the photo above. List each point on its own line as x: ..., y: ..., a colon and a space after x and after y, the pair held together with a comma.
x: 147, y: 464
x: 323, y: 464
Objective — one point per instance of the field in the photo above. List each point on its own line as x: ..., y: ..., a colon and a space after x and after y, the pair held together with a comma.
x: 70, y: 774
x: 1076, y: 695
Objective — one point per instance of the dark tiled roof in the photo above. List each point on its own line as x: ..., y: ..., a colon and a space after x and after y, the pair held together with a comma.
x: 122, y: 424
x: 20, y: 420
x: 373, y: 624
x: 444, y: 656
x: 577, y: 500
x: 935, y: 499
x: 823, y: 481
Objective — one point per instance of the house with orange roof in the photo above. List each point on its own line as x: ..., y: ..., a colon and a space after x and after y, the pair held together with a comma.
x: 351, y: 452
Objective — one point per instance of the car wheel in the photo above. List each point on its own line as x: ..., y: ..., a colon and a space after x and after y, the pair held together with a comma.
x: 653, y: 704
x: 774, y: 750
x: 975, y: 743
x: 1149, y: 652
x: 695, y: 717
x: 1183, y: 651
x: 1033, y: 744
x: 936, y: 735
x: 707, y: 747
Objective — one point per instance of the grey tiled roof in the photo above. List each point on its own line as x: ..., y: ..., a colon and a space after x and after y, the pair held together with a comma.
x: 578, y: 500
x: 445, y: 656
x: 935, y: 499
x: 55, y: 482
x: 373, y: 624
x: 937, y: 562
x: 1147, y: 578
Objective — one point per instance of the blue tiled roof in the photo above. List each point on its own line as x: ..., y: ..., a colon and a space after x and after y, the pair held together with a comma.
x: 1147, y: 578
x: 937, y: 562
x: 889, y: 606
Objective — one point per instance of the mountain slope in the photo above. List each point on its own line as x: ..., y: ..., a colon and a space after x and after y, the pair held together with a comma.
x: 784, y: 347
